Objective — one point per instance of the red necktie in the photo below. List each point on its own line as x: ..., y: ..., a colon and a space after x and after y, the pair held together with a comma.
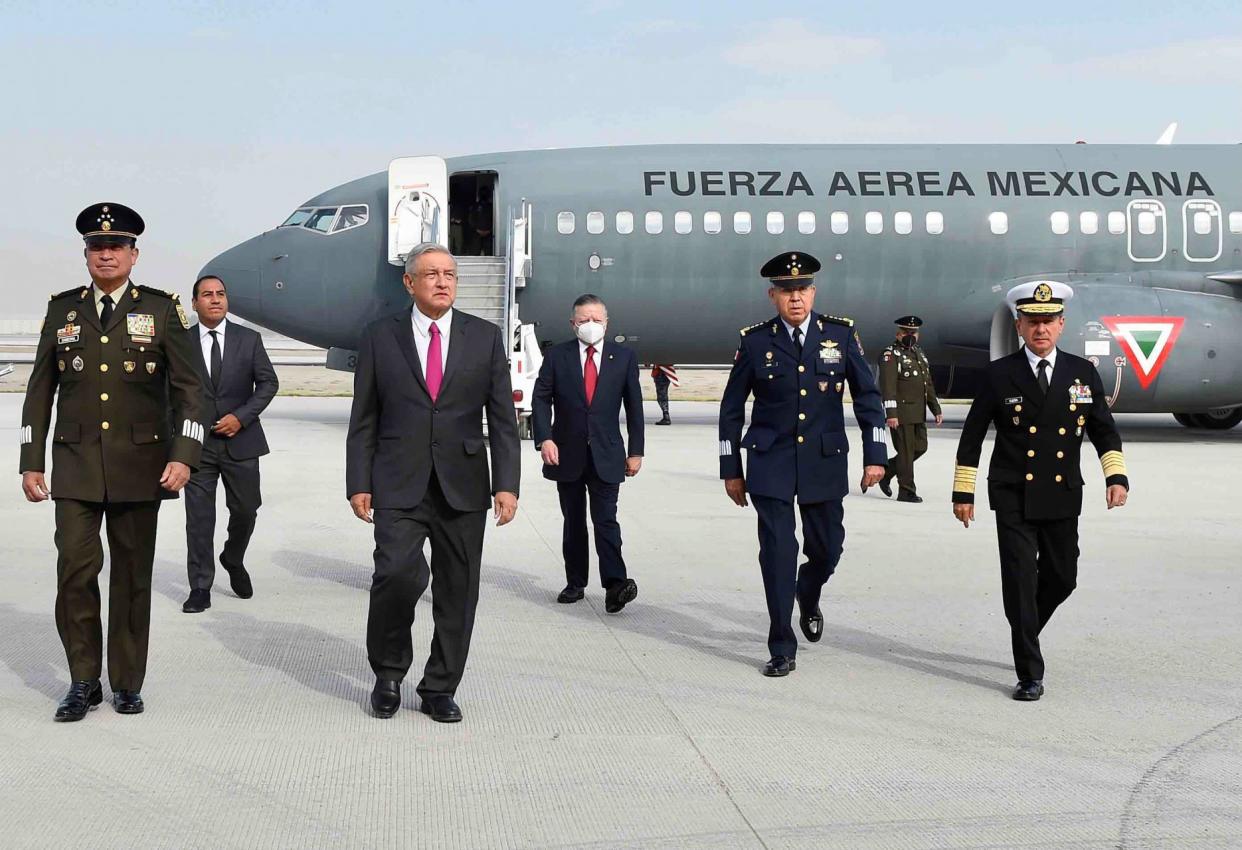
x: 590, y: 374
x: 435, y: 364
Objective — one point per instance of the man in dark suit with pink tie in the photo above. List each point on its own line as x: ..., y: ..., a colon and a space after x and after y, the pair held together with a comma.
x: 578, y: 396
x: 416, y: 467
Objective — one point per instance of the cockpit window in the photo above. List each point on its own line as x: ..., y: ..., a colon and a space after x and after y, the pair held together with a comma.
x: 297, y: 218
x: 321, y: 219
x: 351, y: 216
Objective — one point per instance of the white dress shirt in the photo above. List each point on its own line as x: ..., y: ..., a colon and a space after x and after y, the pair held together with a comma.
x: 1034, y: 359
x: 806, y: 326
x: 116, y: 297
x: 422, y: 336
x: 204, y: 340
x: 582, y: 347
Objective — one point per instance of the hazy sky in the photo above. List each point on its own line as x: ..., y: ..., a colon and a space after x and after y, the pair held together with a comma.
x: 216, y: 119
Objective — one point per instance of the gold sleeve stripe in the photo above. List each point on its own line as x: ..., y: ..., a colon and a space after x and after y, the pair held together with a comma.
x: 964, y: 479
x: 1114, y: 463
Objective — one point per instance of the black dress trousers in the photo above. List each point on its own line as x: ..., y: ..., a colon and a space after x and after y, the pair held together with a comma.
x: 242, y: 499
x: 574, y: 544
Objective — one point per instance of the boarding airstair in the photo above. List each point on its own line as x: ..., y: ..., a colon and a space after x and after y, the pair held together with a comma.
x: 483, y: 288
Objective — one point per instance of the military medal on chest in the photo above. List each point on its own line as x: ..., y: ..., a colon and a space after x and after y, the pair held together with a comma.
x: 141, y: 326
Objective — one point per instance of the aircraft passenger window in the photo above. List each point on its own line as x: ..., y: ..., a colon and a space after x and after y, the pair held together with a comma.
x: 1235, y: 222
x: 297, y: 218
x: 874, y: 222
x: 1147, y: 223
x: 1088, y: 223
x: 806, y: 222
x: 776, y: 223
x: 741, y: 222
x: 1203, y: 223
x: 564, y: 223
x: 321, y: 219
x: 654, y: 222
x: 1060, y: 223
x: 935, y: 223
x: 625, y: 222
x: 1116, y: 223
x: 711, y: 222
x: 903, y: 223
x: 839, y: 222
x: 683, y: 222
x: 999, y: 222
x: 595, y: 222
x: 350, y: 217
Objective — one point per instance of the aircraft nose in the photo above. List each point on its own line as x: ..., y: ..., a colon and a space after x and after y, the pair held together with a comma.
x: 239, y: 269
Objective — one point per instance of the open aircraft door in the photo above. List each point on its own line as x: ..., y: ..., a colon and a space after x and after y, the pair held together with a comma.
x: 417, y: 204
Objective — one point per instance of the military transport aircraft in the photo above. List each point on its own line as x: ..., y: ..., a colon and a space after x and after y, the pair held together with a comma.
x: 672, y: 237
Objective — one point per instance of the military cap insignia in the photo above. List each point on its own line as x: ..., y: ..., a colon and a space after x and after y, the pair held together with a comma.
x: 78, y: 364
x: 1043, y: 293
x: 129, y: 366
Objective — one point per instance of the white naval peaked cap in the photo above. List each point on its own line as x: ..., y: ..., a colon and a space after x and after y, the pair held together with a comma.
x: 1039, y: 298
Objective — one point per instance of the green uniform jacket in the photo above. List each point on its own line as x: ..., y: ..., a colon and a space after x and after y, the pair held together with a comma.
x: 130, y: 398
x: 906, y: 385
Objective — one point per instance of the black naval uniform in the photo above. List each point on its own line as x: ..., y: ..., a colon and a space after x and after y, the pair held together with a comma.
x: 1035, y: 483
x: 129, y: 401
x: 797, y: 449
x: 908, y: 391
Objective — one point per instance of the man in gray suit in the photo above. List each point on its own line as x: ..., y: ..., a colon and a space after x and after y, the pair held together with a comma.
x: 239, y: 384
x: 416, y: 468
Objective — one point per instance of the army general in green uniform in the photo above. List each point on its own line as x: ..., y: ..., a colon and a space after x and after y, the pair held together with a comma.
x: 117, y: 357
x: 908, y: 391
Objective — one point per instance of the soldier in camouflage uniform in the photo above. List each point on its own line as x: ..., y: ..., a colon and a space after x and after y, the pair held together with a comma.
x: 907, y: 388
x: 116, y: 357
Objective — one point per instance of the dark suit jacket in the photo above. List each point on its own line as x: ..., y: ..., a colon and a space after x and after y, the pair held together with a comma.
x: 559, y: 412
x: 397, y: 433
x: 248, y: 384
x: 1035, y: 462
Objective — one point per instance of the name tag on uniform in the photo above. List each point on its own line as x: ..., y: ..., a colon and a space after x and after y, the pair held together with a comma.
x: 141, y: 326
x: 1014, y: 400
x: 69, y: 333
x: 1080, y: 394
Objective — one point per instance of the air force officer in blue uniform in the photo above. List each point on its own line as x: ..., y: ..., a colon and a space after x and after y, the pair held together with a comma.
x: 796, y: 365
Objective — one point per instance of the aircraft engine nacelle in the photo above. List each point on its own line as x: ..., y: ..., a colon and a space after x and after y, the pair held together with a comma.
x: 1155, y: 348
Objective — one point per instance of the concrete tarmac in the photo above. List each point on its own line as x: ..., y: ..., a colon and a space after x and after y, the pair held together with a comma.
x: 653, y: 728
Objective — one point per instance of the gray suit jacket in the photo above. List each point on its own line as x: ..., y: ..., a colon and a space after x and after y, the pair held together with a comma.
x: 397, y: 433
x: 248, y: 384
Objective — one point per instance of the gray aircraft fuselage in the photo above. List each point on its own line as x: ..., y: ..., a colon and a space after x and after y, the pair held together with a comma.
x: 681, y: 297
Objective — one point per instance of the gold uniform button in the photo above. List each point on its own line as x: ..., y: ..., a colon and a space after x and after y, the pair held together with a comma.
x: 1060, y: 454
x: 103, y: 367
x: 1033, y: 429
x: 802, y: 416
x: 1030, y: 477
x: 104, y: 425
x: 1058, y: 479
x: 1061, y: 431
x: 1030, y: 453
x: 801, y: 438
x: 1017, y: 408
x: 803, y: 392
x: 103, y: 339
x: 103, y: 396
x: 801, y: 368
x: 1073, y: 407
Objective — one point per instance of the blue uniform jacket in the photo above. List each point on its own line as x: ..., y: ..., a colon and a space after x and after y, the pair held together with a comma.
x: 797, y: 444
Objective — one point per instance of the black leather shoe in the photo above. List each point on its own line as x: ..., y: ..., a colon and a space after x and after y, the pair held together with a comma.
x: 779, y: 665
x: 386, y: 697
x: 199, y: 601
x: 83, y: 696
x: 1029, y: 691
x: 886, y: 484
x: 128, y: 702
x: 664, y: 421
x: 620, y: 595
x: 442, y: 708
x: 570, y: 594
x: 812, y: 623
x: 239, y: 580
x: 903, y: 496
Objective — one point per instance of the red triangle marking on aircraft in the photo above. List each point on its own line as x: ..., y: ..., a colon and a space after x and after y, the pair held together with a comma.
x: 1146, y: 367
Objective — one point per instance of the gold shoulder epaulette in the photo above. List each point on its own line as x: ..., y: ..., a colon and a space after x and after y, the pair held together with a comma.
x: 841, y: 320
x: 750, y: 328
x: 155, y: 291
x: 77, y: 290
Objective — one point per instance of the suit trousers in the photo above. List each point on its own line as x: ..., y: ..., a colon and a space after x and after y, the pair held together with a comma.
x: 603, y: 499
x: 401, y: 576
x: 1039, y: 570
x: 242, y: 498
x: 910, y: 444
x: 823, y: 539
x: 131, y: 528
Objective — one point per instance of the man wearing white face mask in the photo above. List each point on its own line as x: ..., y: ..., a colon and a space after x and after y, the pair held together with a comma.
x: 578, y: 396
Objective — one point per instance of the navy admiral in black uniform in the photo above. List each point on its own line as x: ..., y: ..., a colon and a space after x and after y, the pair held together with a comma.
x: 796, y: 365
x: 117, y: 359
x: 1041, y: 400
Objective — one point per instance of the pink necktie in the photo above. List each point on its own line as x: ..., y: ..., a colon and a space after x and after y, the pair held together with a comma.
x: 435, y: 364
x: 590, y: 374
